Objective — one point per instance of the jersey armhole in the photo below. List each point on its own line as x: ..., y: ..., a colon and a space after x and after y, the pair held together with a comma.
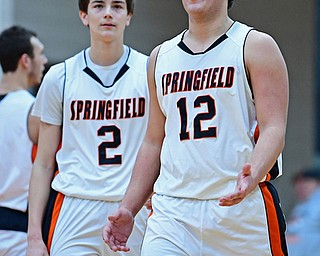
x: 63, y: 89
x: 244, y: 63
x: 155, y: 65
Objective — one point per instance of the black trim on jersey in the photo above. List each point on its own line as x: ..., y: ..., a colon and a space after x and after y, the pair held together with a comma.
x: 2, y: 96
x: 63, y: 89
x: 185, y: 48
x: 274, y: 172
x: 64, y: 80
x: 155, y: 66
x: 121, y: 72
x: 244, y: 64
x: 13, y: 220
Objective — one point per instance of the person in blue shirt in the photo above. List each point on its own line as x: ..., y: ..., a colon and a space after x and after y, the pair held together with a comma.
x: 303, y: 230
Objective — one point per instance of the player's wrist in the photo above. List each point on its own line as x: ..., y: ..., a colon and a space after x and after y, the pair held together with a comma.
x: 34, y: 237
x: 127, y: 211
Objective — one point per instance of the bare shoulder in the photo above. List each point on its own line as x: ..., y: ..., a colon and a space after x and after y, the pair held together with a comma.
x: 259, y: 38
x: 261, y: 50
x: 154, y: 53
x: 152, y: 60
x: 261, y: 44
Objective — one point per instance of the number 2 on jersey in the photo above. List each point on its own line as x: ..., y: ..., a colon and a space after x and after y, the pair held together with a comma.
x: 198, y: 133
x: 103, y: 158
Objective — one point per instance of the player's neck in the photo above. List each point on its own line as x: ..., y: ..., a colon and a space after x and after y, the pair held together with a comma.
x: 106, y: 53
x: 12, y: 82
x: 202, y: 34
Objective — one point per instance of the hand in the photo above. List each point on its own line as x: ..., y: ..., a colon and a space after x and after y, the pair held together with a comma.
x: 245, y: 185
x: 148, y: 203
x: 118, y: 229
x: 36, y: 247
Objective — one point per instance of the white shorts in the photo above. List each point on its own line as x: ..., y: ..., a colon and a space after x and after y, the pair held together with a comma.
x: 13, y: 243
x: 78, y: 230
x: 255, y: 227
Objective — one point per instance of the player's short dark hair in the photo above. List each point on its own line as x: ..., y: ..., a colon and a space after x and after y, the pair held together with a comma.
x: 307, y: 173
x: 230, y: 3
x: 14, y: 42
x: 83, y: 5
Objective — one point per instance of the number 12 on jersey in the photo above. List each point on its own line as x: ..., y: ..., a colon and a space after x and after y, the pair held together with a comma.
x: 198, y: 132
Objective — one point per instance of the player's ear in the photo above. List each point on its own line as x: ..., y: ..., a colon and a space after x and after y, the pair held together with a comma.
x: 84, y: 18
x: 129, y: 16
x: 25, y: 60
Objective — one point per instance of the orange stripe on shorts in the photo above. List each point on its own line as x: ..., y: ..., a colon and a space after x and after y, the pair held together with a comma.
x: 273, y: 221
x: 55, y: 216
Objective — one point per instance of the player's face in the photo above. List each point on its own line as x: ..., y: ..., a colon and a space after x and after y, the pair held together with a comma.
x: 37, y: 62
x: 107, y: 18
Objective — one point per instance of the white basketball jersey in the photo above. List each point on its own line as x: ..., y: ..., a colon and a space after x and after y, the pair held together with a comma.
x: 103, y: 125
x: 16, y: 163
x: 210, y: 116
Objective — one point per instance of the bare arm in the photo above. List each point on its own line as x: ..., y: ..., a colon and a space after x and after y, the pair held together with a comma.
x: 33, y: 127
x: 267, y: 71
x: 145, y: 173
x: 147, y: 164
x: 269, y: 77
x: 42, y: 174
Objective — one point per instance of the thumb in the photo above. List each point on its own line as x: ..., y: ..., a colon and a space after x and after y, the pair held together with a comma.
x: 114, y: 216
x: 246, y: 169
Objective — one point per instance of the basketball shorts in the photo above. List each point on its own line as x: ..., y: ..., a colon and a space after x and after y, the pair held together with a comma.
x: 180, y: 227
x: 76, y: 228
x: 13, y: 243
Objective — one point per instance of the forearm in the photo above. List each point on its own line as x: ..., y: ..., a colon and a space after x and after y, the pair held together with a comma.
x: 38, y: 197
x: 145, y: 173
x: 270, y: 144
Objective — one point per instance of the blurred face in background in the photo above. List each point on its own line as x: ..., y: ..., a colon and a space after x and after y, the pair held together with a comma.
x: 37, y: 62
x: 304, y: 187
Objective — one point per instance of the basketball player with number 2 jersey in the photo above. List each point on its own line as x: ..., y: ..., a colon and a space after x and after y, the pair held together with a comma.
x: 96, y: 103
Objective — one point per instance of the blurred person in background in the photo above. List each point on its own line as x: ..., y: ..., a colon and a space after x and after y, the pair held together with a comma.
x: 22, y: 61
x: 303, y: 231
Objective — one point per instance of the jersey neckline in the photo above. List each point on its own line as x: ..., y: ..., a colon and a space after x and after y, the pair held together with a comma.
x: 218, y: 41
x: 94, y: 76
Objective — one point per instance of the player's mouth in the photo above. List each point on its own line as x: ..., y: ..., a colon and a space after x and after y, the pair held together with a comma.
x: 108, y: 25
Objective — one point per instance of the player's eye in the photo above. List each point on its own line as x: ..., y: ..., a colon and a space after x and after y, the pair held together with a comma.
x: 98, y: 6
x: 118, y: 6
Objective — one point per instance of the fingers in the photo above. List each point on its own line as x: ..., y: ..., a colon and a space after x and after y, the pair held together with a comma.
x: 113, y: 238
x: 245, y: 184
x: 114, y: 244
x: 230, y: 201
x: 235, y: 197
x: 118, y: 246
x: 108, y: 238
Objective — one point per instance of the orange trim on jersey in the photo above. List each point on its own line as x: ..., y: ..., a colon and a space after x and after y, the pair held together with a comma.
x: 56, y: 173
x: 268, y: 177
x: 34, y: 152
x: 256, y: 134
x: 273, y: 222
x: 54, y: 219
